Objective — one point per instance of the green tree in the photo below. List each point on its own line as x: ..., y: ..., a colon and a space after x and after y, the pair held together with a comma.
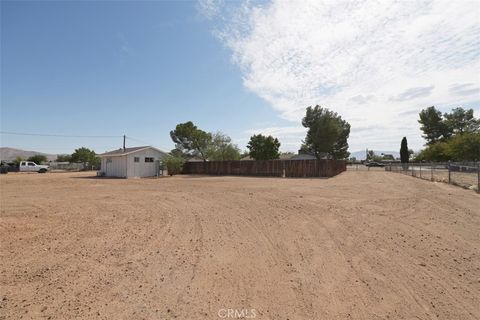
x: 327, y: 133
x: 460, y: 121
x: 64, y: 158
x: 85, y: 156
x: 437, y: 152
x: 464, y: 147
x: 178, y: 153
x: 221, y: 148
x: 38, y: 158
x: 404, y: 153
x: 433, y: 127
x: 190, y: 140
x: 174, y: 164
x: 263, y: 147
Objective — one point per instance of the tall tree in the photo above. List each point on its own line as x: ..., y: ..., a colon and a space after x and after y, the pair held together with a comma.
x: 263, y: 148
x: 222, y: 148
x: 464, y: 147
x: 190, y: 140
x: 327, y: 133
x: 432, y: 124
x: 404, y: 153
x: 460, y: 121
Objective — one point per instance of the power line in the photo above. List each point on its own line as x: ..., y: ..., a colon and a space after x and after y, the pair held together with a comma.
x: 138, y: 140
x: 54, y: 135
x: 143, y: 141
x: 71, y: 136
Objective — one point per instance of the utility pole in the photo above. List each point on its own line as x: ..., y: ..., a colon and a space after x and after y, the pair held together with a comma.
x: 124, y: 143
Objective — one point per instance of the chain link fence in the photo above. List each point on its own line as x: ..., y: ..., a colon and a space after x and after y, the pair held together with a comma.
x: 465, y: 174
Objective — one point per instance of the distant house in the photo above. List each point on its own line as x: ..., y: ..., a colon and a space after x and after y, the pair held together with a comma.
x: 136, y: 162
x: 303, y: 156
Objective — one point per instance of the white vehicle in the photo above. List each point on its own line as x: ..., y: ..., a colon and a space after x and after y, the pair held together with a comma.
x: 30, y: 166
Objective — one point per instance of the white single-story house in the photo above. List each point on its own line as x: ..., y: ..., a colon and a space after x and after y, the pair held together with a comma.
x: 134, y: 162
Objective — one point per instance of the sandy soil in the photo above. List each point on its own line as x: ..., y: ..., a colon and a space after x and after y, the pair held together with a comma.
x: 362, y: 245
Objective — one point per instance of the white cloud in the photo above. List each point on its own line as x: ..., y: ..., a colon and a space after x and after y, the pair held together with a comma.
x: 376, y: 62
x: 209, y: 8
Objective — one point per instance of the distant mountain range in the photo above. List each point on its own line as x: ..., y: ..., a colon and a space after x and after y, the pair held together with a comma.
x: 360, y: 155
x: 10, y: 154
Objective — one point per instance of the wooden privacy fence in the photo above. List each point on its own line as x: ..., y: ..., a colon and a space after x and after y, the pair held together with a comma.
x: 269, y: 168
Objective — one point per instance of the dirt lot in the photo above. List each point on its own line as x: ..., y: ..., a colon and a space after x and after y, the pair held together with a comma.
x: 362, y: 245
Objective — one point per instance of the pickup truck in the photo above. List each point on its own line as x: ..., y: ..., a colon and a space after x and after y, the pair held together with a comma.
x: 30, y: 166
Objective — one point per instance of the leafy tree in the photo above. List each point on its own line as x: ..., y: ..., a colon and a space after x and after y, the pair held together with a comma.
x: 263, y: 148
x: 433, y: 127
x: 453, y: 136
x: 174, y: 164
x: 221, y: 148
x: 461, y: 147
x: 190, y: 140
x: 464, y: 147
x: 85, y: 156
x: 64, y: 158
x: 404, y: 153
x: 178, y: 153
x: 327, y: 133
x: 436, y: 152
x: 460, y: 121
x: 38, y: 158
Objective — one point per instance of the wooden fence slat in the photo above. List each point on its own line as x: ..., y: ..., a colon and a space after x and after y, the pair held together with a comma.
x: 274, y: 168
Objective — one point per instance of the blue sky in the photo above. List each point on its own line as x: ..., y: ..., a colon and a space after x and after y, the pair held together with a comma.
x: 106, y: 68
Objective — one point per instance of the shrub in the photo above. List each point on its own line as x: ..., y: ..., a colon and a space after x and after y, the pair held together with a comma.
x: 174, y: 164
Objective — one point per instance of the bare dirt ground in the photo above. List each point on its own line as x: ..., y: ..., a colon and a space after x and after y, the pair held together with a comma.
x: 362, y: 245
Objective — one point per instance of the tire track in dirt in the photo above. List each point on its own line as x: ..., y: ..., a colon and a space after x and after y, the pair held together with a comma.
x: 350, y: 247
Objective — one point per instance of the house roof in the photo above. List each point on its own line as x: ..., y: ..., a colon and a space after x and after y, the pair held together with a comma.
x: 122, y: 152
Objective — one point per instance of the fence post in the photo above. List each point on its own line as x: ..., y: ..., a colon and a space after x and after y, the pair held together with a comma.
x: 478, y: 177
x: 412, y: 171
x: 431, y: 170
x: 420, y: 170
x: 449, y: 173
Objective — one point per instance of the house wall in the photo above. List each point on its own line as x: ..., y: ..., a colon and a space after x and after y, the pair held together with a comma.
x: 142, y: 168
x: 117, y: 167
